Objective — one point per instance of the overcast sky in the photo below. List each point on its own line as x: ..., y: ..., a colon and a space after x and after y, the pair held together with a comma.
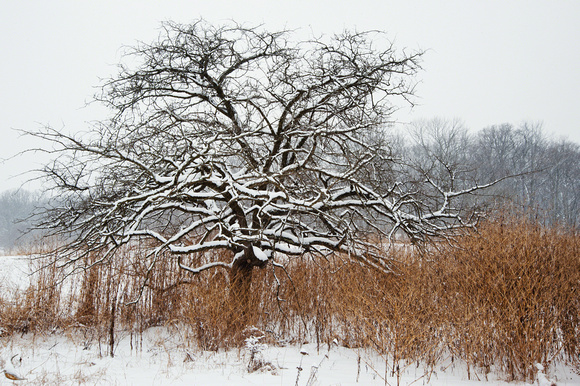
x: 486, y: 62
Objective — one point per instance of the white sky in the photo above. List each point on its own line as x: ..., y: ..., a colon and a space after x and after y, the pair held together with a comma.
x: 487, y: 62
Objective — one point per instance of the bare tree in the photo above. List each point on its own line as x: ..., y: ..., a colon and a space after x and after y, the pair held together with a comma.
x: 440, y: 155
x: 494, y: 150
x: 545, y: 171
x: 441, y: 150
x: 561, y: 192
x: 16, y: 208
x: 238, y: 139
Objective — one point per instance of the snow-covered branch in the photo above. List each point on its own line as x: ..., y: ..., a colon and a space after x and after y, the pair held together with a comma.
x: 240, y: 139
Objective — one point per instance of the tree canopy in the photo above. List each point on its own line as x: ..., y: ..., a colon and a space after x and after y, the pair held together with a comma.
x: 240, y: 139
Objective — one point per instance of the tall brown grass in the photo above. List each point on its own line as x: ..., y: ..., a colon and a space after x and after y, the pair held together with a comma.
x: 512, y: 295
x: 499, y: 300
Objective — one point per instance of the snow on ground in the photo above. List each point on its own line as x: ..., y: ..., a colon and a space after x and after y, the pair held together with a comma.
x: 14, y: 273
x: 163, y: 357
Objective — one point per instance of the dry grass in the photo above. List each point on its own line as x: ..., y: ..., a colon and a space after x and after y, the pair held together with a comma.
x: 501, y: 300
x: 512, y: 296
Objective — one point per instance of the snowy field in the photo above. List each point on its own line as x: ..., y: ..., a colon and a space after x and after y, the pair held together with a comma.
x: 164, y: 356
x: 14, y: 273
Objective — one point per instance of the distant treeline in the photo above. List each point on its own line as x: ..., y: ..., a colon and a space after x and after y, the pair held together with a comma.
x: 545, y: 172
x: 16, y: 208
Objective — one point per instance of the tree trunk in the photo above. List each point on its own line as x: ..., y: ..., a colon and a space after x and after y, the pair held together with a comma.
x: 239, y: 296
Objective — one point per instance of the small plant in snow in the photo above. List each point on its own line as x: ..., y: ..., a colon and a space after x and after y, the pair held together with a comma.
x: 255, y: 348
x: 541, y: 377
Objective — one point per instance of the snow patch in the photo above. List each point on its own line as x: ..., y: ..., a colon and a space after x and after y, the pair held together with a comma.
x: 260, y: 254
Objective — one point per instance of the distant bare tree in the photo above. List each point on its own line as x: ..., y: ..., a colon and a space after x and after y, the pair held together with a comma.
x: 494, y: 150
x: 530, y: 155
x: 16, y: 208
x: 440, y: 153
x: 547, y: 182
x: 238, y: 139
x: 441, y: 150
x: 562, y: 187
